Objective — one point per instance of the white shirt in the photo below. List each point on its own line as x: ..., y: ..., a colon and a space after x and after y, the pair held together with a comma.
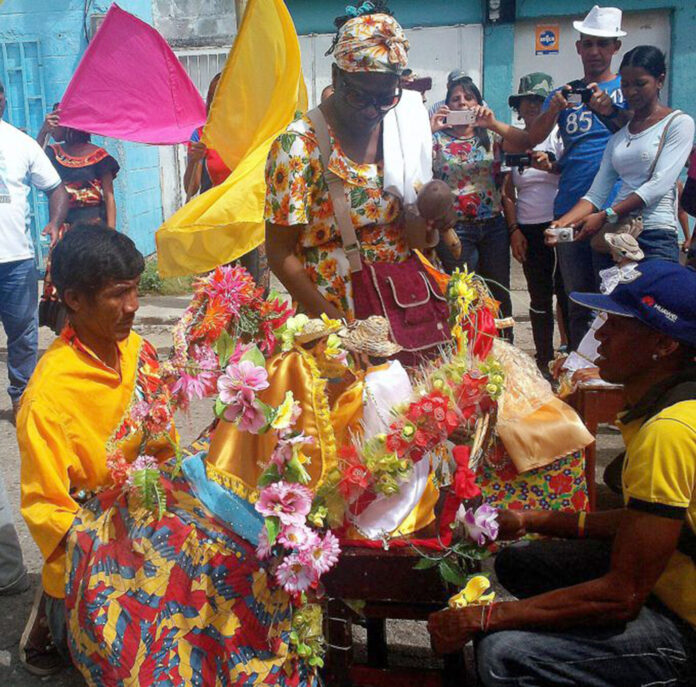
x: 629, y: 157
x: 536, y: 190
x: 22, y: 164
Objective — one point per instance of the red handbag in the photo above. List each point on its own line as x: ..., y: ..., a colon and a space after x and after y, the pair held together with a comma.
x: 404, y: 293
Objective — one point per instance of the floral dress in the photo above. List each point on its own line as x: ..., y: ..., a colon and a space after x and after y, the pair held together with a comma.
x: 297, y: 194
x: 470, y: 171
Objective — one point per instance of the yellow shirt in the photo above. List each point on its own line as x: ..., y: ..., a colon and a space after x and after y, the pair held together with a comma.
x: 659, y: 476
x: 75, y: 409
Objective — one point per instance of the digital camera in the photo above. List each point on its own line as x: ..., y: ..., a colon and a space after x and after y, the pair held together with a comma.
x: 562, y: 234
x: 578, y: 94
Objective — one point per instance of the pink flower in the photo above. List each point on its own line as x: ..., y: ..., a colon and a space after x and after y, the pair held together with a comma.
x: 263, y: 549
x: 296, y: 574
x: 481, y: 524
x: 139, y: 411
x: 282, y: 453
x: 143, y: 462
x: 245, y: 412
x: 240, y: 377
x: 118, y: 467
x: 324, y: 553
x: 288, y: 502
x: 298, y: 537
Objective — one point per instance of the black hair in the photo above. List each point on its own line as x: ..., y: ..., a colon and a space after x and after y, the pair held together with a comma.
x: 367, y: 7
x: 467, y: 83
x: 646, y: 57
x: 73, y: 136
x: 90, y: 256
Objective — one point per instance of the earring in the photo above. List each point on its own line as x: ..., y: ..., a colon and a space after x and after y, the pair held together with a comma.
x: 655, y: 356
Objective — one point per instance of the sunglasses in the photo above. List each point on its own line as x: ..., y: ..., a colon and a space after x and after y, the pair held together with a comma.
x: 359, y: 100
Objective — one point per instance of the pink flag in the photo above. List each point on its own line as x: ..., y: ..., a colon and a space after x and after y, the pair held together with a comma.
x: 130, y: 85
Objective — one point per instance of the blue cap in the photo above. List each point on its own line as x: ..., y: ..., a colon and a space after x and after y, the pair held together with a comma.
x: 662, y: 296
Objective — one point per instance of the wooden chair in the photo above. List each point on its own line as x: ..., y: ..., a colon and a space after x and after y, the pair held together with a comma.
x: 390, y: 588
x: 596, y: 404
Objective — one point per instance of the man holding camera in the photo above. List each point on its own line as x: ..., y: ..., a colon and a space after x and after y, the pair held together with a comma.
x: 588, y: 111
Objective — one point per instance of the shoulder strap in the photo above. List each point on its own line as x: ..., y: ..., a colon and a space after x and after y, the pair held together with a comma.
x: 661, y: 144
x: 351, y: 247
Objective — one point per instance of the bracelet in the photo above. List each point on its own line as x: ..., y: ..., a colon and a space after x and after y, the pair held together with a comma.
x: 515, y: 227
x: 582, y: 516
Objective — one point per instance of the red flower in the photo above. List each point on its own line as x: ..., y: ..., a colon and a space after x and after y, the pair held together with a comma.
x: 355, y: 481
x: 579, y: 500
x: 158, y: 418
x: 465, y: 486
x: 560, y: 483
x: 421, y: 438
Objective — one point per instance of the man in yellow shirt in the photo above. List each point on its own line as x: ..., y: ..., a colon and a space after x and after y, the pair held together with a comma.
x: 75, y: 411
x: 612, y: 600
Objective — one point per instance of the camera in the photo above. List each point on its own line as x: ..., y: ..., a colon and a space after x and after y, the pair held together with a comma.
x: 518, y: 160
x: 460, y: 117
x: 562, y: 234
x: 576, y: 95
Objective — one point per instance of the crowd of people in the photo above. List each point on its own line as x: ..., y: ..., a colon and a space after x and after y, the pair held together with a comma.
x: 378, y: 214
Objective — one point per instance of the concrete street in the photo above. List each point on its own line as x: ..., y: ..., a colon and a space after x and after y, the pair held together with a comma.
x: 408, y: 640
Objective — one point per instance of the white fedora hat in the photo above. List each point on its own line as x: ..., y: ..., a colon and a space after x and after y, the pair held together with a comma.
x: 604, y: 22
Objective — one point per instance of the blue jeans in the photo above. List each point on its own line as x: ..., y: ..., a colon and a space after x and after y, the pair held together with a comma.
x: 655, y: 648
x: 580, y: 267
x: 659, y: 243
x: 486, y: 251
x: 19, y: 313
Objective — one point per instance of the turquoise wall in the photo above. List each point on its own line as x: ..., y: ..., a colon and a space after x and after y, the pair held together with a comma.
x: 316, y: 16
x: 58, y: 24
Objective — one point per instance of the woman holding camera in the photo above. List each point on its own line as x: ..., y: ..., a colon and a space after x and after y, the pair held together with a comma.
x: 648, y: 155
x: 467, y: 156
x: 529, y: 191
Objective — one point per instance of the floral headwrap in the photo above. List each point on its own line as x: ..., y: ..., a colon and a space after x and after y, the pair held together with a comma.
x: 371, y: 43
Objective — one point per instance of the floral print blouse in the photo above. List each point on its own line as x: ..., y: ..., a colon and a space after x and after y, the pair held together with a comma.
x: 298, y: 195
x: 470, y: 171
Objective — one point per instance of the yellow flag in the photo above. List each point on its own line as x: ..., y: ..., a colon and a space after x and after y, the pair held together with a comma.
x: 260, y: 90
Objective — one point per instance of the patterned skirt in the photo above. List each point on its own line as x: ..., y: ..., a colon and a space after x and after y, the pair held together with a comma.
x: 177, y: 600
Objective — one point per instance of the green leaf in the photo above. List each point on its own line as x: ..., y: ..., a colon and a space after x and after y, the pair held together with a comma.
x: 255, y: 356
x: 219, y: 408
x: 452, y: 573
x: 426, y: 563
x: 224, y: 346
x: 273, y: 528
x: 358, y: 197
x: 297, y: 471
x: 269, y: 476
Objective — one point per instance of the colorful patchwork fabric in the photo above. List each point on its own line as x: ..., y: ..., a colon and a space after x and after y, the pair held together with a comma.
x: 298, y: 195
x: 470, y: 171
x: 558, y: 486
x: 174, y: 601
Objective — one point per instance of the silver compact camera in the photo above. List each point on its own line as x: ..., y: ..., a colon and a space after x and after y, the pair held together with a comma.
x: 562, y: 234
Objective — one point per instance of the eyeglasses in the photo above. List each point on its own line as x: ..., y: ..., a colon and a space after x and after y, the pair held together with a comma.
x: 360, y: 100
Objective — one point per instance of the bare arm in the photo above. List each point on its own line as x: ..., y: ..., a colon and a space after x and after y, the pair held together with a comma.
x: 642, y: 546
x: 518, y: 241
x: 194, y: 168
x: 280, y: 250
x: 58, y: 203
x: 52, y: 120
x: 543, y: 125
x: 109, y: 199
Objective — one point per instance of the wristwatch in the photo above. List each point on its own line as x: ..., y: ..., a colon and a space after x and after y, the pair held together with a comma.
x: 612, y: 217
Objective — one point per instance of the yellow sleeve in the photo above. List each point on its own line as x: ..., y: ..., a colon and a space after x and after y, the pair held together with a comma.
x: 660, y: 471
x: 47, y: 461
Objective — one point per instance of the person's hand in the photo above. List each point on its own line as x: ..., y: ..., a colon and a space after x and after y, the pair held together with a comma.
x: 550, y: 238
x: 600, y: 102
x: 197, y: 151
x: 518, y: 245
x: 52, y: 120
x: 558, y: 101
x: 438, y: 121
x: 53, y: 231
x: 590, y: 225
x: 484, y: 116
x: 541, y: 160
x: 452, y: 628
x: 686, y: 245
x: 511, y: 525
x: 556, y: 367
x: 587, y: 374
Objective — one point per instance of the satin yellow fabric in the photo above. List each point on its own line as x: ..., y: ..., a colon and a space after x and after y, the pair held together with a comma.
x: 550, y: 432
x: 260, y: 90
x: 237, y: 459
